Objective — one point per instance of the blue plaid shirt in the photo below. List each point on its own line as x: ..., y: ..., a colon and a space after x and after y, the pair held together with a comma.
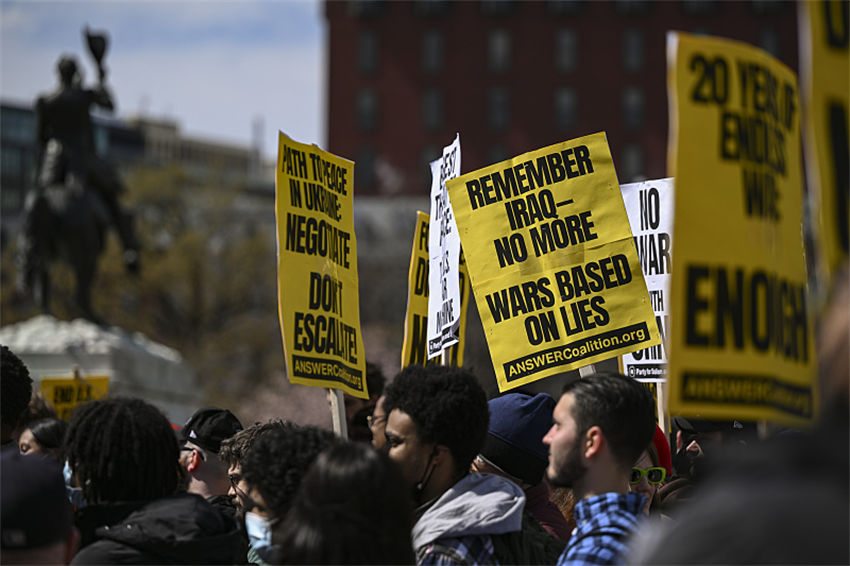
x: 472, y: 549
x: 603, y: 523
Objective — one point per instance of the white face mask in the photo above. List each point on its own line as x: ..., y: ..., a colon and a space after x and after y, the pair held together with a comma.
x: 259, y: 531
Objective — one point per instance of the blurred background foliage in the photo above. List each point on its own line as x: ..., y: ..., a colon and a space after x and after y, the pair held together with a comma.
x: 208, y: 289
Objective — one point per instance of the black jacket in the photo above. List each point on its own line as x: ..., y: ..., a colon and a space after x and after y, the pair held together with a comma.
x: 181, y: 529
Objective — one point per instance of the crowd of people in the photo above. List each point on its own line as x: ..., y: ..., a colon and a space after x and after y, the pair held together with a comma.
x: 444, y: 476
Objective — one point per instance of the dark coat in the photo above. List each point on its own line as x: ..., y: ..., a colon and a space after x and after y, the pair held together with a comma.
x: 181, y: 529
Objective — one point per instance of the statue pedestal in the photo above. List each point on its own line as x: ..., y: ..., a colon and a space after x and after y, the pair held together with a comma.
x: 136, y: 366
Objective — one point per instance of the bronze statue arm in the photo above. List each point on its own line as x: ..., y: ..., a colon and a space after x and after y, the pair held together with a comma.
x: 103, y: 98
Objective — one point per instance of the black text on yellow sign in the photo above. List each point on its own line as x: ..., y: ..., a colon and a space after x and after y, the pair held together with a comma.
x: 317, y: 269
x: 742, y: 346
x: 414, y: 349
x: 67, y: 393
x: 825, y: 77
x: 755, y: 133
x: 551, y: 256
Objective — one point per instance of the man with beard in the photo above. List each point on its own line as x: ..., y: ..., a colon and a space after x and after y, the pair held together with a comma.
x: 601, y: 425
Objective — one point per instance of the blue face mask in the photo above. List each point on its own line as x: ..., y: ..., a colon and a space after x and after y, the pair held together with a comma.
x: 75, y: 494
x: 259, y: 531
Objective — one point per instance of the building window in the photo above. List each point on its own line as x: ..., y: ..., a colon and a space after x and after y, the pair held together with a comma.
x: 433, y: 51
x: 12, y: 199
x: 364, y: 169
x: 11, y: 162
x: 632, y: 169
x: 498, y: 108
x: 497, y: 153
x: 632, y: 7
x: 432, y: 7
x: 367, y: 110
x: 429, y: 153
x: 18, y: 127
x: 769, y: 7
x: 497, y: 7
x: 566, y: 107
x: 101, y: 140
x: 769, y: 41
x: 565, y: 7
x: 566, y: 50
x: 633, y: 108
x: 367, y: 52
x: 366, y: 8
x: 499, y: 51
x: 432, y: 109
x: 633, y: 50
x: 700, y: 7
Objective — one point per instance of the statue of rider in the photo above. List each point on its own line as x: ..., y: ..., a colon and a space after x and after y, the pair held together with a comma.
x: 67, y: 151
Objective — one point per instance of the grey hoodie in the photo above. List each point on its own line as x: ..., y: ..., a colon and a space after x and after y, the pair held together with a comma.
x: 478, y: 504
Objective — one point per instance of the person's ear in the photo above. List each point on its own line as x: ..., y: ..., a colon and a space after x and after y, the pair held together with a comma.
x: 679, y: 441
x: 194, y: 461
x: 440, y: 455
x: 594, y: 442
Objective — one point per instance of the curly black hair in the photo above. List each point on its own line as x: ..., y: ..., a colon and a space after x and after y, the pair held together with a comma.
x: 278, y: 460
x: 447, y: 405
x: 15, y: 390
x: 233, y: 449
x: 375, y: 380
x: 122, y: 449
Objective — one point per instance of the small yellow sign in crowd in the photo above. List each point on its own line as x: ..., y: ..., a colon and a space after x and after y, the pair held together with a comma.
x: 67, y: 393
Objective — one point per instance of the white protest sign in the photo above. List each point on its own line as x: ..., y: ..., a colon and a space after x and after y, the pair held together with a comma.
x: 649, y: 206
x: 444, y: 254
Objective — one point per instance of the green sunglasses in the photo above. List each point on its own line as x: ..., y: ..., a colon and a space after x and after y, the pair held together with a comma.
x: 653, y: 475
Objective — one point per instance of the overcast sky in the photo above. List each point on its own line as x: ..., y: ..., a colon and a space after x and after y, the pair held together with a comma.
x: 212, y: 65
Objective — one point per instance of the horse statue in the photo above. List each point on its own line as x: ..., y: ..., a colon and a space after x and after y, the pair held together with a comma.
x: 75, y: 197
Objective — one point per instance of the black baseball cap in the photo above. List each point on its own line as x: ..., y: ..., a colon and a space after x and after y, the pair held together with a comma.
x: 208, y: 427
x: 698, y: 425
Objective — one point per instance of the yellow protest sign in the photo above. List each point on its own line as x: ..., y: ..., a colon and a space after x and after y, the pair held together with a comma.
x: 552, y: 261
x: 741, y: 340
x: 414, y: 348
x: 825, y: 86
x: 318, y: 297
x: 67, y: 393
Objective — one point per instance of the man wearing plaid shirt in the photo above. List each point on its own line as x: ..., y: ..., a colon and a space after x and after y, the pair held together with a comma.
x: 437, y: 424
x: 601, y: 425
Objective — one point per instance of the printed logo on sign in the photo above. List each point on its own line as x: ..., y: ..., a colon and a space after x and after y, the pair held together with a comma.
x: 577, y: 351
x: 334, y: 371
x: 646, y: 371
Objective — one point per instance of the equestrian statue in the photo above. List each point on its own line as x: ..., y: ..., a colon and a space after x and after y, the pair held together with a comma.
x: 74, y: 199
